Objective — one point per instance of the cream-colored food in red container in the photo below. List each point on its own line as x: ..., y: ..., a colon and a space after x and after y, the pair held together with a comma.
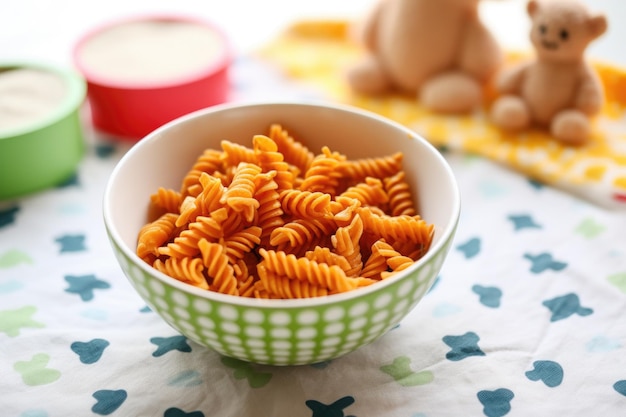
x: 145, y: 71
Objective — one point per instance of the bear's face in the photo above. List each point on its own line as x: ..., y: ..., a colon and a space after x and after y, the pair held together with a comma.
x: 562, y: 29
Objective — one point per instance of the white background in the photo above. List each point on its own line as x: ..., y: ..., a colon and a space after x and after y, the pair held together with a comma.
x: 47, y: 29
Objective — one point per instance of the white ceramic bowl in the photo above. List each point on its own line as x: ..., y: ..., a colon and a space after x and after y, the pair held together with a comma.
x: 279, y: 332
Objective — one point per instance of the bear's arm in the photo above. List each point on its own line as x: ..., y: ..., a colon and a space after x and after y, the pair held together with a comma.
x: 590, y: 94
x: 367, y: 32
x: 510, y: 80
x: 480, y: 54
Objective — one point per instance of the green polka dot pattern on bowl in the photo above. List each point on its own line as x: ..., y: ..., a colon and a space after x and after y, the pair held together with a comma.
x: 289, y: 335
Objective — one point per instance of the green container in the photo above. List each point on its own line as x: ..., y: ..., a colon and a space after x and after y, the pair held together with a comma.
x: 46, y: 151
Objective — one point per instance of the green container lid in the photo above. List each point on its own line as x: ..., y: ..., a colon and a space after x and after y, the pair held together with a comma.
x: 45, y: 150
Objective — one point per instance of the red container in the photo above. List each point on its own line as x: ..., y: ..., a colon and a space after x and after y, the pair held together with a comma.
x: 131, y: 106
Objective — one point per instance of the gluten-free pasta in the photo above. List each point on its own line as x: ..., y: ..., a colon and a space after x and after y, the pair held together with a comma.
x: 277, y: 220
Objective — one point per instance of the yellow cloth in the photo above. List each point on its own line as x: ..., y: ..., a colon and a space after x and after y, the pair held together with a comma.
x: 318, y: 53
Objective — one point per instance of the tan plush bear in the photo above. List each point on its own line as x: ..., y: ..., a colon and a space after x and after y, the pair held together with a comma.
x: 557, y: 89
x: 437, y: 49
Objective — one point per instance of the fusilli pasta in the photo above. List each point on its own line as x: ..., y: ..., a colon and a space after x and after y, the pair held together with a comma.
x: 275, y: 220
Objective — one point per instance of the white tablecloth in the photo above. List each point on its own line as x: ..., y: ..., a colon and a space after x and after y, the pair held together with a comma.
x: 528, y: 315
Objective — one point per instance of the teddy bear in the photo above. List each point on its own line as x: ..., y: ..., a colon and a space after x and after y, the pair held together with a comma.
x: 439, y: 50
x: 557, y: 89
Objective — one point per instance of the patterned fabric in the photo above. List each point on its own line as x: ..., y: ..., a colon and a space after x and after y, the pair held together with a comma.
x: 526, y: 315
x: 318, y: 52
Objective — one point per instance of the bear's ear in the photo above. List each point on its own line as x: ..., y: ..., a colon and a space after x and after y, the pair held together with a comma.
x: 597, y: 25
x: 532, y: 7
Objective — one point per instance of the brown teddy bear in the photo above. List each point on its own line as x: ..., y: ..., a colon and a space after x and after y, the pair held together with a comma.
x: 437, y: 49
x: 557, y: 89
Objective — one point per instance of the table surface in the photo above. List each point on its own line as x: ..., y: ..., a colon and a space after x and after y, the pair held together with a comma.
x: 528, y: 315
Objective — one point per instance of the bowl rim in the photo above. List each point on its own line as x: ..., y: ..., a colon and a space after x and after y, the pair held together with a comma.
x: 223, y: 60
x: 446, y: 233
x: 72, y: 102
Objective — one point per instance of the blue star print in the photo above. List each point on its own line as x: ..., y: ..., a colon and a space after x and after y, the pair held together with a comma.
x: 104, y: 150
x: 620, y: 387
x: 332, y: 410
x: 544, y: 262
x: 496, y: 403
x: 550, y: 372
x: 84, y: 285
x: 89, y: 352
x: 463, y: 346
x: 537, y: 185
x: 107, y: 401
x: 177, y: 412
x: 564, y: 306
x: 489, y: 296
x: 167, y: 344
x: 470, y: 248
x: 71, y: 243
x: 71, y: 181
x: 523, y: 222
x: 7, y: 216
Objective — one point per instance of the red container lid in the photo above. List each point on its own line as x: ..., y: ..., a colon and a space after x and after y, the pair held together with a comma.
x: 143, y: 72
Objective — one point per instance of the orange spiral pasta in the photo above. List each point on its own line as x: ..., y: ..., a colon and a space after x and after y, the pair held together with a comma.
x: 205, y: 201
x: 323, y: 275
x: 233, y: 154
x: 399, y: 193
x: 245, y: 280
x: 344, y: 209
x: 394, y: 260
x: 188, y: 270
x: 368, y: 193
x: 203, y: 227
x: 273, y: 220
x: 269, y: 159
x: 167, y: 199
x: 301, y: 233
x: 278, y: 286
x: 295, y: 152
x: 322, y: 175
x: 240, y: 193
x: 404, y: 228
x: 376, y: 264
x: 346, y: 243
x: 247, y: 287
x: 242, y: 242
x: 270, y: 211
x: 305, y: 204
x: 188, y: 211
x: 154, y: 234
x: 184, y: 246
x: 209, y: 162
x: 212, y: 192
x: 219, y: 270
x: 381, y: 167
x: 324, y: 255
x: 411, y: 249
